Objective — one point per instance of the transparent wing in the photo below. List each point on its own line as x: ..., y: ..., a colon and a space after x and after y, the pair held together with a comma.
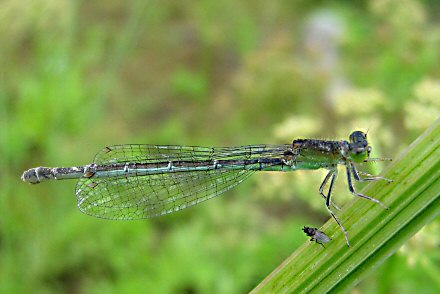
x: 136, y: 197
x: 149, y: 196
x: 159, y: 153
x: 321, y: 237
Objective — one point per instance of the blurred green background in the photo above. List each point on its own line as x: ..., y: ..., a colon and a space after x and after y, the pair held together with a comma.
x: 79, y: 75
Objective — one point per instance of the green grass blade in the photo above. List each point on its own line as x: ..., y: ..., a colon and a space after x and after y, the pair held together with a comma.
x: 375, y: 233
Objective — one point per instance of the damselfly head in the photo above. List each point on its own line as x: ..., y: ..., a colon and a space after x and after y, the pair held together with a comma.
x: 358, y: 136
x: 359, y: 148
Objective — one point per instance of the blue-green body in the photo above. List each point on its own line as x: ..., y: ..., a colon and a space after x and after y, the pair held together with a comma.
x: 141, y: 181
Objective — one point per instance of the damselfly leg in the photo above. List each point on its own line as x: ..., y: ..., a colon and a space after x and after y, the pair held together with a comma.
x: 368, y: 177
x: 352, y: 172
x: 333, y: 174
x: 356, y: 176
x: 321, y: 190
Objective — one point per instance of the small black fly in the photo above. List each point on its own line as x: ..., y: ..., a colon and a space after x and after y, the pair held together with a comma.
x: 318, y: 236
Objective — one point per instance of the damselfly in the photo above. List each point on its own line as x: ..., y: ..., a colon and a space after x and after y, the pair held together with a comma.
x: 318, y: 236
x: 142, y: 181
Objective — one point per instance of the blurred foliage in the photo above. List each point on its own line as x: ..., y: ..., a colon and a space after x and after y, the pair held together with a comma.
x: 80, y: 75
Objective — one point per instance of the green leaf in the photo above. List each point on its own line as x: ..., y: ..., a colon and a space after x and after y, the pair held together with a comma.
x: 375, y: 233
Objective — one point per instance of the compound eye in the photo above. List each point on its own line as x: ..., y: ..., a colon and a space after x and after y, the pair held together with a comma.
x: 357, y: 136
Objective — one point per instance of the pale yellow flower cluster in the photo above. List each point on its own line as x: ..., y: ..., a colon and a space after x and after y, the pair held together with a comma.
x: 422, y: 111
x: 359, y: 102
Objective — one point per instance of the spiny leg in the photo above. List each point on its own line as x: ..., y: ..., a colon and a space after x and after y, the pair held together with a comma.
x: 333, y: 174
x: 321, y: 189
x: 369, y: 177
x: 353, y: 190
